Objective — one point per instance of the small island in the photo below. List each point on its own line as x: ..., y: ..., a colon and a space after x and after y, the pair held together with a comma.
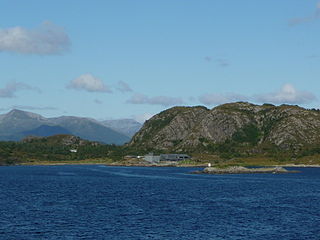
x: 240, y: 170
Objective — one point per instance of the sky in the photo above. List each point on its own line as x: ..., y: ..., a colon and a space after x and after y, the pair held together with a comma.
x: 111, y: 59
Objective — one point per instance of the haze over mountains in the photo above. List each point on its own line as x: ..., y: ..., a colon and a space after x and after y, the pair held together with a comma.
x: 18, y: 124
x: 127, y: 127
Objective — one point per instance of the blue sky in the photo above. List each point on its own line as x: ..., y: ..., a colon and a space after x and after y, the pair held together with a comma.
x: 134, y: 58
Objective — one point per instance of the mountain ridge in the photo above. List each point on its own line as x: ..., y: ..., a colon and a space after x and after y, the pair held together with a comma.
x: 239, y: 127
x: 17, y: 124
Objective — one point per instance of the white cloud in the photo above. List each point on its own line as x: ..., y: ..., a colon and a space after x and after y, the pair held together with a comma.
x: 217, y: 98
x: 158, y: 100
x: 138, y: 99
x: 287, y: 94
x: 124, y: 87
x: 11, y: 88
x: 89, y: 83
x: 141, y: 118
x: 47, y: 39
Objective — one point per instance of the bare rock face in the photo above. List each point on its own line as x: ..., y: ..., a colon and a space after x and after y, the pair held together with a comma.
x: 285, y: 126
x: 219, y: 126
x: 169, y: 128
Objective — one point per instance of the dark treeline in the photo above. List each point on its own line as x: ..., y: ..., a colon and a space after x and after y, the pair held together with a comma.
x: 58, y: 148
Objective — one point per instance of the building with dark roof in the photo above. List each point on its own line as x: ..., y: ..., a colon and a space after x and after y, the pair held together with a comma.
x: 174, y: 157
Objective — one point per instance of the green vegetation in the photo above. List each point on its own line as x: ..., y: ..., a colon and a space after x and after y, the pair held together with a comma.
x: 249, y: 134
x: 55, y: 150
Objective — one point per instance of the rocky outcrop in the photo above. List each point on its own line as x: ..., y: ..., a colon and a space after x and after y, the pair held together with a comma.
x: 240, y: 170
x: 287, y: 127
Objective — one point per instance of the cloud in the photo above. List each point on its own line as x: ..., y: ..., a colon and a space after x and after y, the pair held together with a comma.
x: 88, y: 82
x: 23, y: 107
x: 208, y: 58
x: 141, y: 118
x: 222, y: 62
x: 97, y: 101
x: 313, y: 56
x: 47, y: 39
x: 123, y: 87
x: 314, y: 16
x: 11, y: 88
x: 287, y: 94
x: 218, y: 98
x: 158, y: 100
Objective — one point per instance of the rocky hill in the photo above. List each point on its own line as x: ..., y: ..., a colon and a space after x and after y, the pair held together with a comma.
x: 240, y: 127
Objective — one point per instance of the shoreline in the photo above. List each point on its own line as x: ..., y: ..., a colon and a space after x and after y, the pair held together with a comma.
x: 244, y: 170
x: 142, y: 164
x: 298, y: 165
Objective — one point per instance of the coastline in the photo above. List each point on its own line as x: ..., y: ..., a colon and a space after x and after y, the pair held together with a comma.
x: 109, y: 162
x: 57, y: 163
x: 244, y: 170
x: 299, y: 165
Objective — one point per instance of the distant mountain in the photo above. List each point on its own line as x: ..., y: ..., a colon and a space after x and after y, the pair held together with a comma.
x: 16, y: 124
x: 91, y: 130
x: 46, y: 130
x: 235, y: 128
x: 128, y: 127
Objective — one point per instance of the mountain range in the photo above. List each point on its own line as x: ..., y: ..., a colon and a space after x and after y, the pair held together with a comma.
x: 18, y: 124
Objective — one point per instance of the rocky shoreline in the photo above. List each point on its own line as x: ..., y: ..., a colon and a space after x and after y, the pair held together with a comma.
x: 240, y: 170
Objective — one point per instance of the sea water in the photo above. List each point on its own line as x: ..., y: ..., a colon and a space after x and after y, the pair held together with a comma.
x: 102, y: 202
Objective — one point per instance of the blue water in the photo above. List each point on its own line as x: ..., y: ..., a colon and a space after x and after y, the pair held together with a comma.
x: 100, y: 202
